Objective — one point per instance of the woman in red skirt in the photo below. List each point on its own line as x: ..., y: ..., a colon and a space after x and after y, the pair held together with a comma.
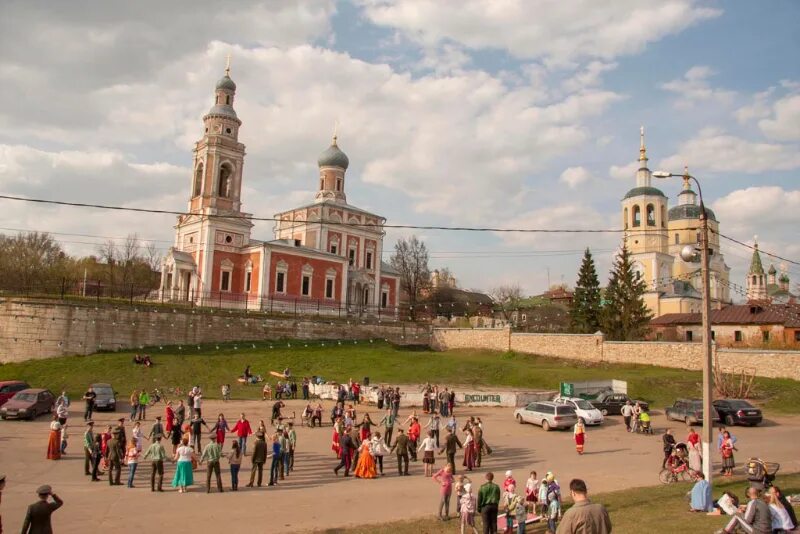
x: 580, y: 436
x: 54, y: 441
x: 170, y: 418
x: 469, y: 451
x: 220, y: 428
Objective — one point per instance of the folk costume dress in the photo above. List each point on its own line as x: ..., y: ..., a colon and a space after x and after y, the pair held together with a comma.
x: 469, y: 452
x: 170, y: 417
x: 365, y: 468
x: 54, y: 441
x: 220, y: 428
x: 335, y: 446
x: 580, y: 437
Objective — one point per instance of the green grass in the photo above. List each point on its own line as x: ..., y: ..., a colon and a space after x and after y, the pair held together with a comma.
x: 210, y: 367
x: 634, y: 511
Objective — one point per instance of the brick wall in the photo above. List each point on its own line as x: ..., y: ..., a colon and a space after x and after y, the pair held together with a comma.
x: 43, y: 329
x: 594, y: 348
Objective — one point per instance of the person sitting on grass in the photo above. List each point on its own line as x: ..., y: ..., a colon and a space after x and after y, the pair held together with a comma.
x: 756, y: 518
x: 700, y: 497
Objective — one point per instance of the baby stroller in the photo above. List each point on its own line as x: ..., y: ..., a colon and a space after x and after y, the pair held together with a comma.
x: 761, y: 474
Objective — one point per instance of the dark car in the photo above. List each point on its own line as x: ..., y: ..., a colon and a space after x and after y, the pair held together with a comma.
x: 612, y: 403
x: 9, y: 388
x: 690, y: 411
x: 28, y: 404
x: 738, y: 412
x: 106, y: 397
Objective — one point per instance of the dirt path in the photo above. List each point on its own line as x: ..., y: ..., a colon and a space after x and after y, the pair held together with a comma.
x: 313, y: 497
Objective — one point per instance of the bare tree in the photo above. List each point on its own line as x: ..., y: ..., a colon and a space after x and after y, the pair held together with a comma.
x: 506, y: 298
x: 410, y: 258
x: 153, y: 256
x: 108, y: 253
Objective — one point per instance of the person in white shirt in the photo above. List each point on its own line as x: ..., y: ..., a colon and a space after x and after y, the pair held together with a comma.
x: 780, y: 517
x: 627, y: 413
x: 428, y: 445
x: 378, y: 449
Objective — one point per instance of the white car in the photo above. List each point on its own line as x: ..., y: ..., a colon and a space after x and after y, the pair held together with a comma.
x: 584, y: 409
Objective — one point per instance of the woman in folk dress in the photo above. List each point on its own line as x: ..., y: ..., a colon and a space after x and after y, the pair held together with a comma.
x: 469, y: 451
x: 54, y: 440
x: 580, y: 436
x: 365, y: 468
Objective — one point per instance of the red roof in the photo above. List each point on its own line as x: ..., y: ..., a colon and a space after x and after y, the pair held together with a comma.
x: 786, y: 314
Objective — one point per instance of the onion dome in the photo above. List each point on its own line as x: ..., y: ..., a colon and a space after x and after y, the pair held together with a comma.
x: 688, y: 211
x: 226, y: 83
x: 772, y: 270
x: 645, y: 190
x: 333, y: 157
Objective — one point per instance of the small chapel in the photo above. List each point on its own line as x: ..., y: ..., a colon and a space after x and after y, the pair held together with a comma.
x: 325, y: 256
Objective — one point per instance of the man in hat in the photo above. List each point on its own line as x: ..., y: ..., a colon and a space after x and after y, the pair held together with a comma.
x: 212, y: 453
x: 401, y: 443
x: 156, y: 454
x: 157, y: 430
x: 88, y: 444
x: 451, y: 445
x: 122, y: 438
x: 116, y: 452
x: 259, y: 458
x: 37, y: 520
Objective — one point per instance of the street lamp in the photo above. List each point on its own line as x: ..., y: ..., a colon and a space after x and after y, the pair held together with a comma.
x: 689, y: 254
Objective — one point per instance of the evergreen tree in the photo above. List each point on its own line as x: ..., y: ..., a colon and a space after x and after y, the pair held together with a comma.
x: 585, y: 311
x: 625, y: 316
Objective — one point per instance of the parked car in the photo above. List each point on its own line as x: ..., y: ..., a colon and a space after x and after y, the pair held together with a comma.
x: 9, y: 388
x: 612, y: 403
x: 106, y: 397
x: 584, y: 409
x: 547, y: 415
x: 690, y: 411
x: 28, y: 404
x: 737, y: 412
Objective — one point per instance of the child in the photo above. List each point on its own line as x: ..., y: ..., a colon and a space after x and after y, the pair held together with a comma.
x: 553, y: 512
x: 532, y: 489
x: 508, y: 502
x: 64, y: 439
x: 542, y: 497
x: 461, y: 482
x: 509, y: 481
x: 468, y: 503
x: 521, y: 512
x: 226, y: 392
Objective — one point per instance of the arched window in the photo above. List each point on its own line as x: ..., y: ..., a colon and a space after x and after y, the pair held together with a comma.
x: 663, y: 217
x: 198, y: 181
x: 228, y: 99
x: 677, y: 239
x: 637, y: 216
x: 755, y: 280
x: 651, y: 215
x: 225, y: 172
x: 338, y: 184
x: 625, y: 217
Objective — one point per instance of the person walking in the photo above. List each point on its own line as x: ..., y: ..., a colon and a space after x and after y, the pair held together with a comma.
x: 627, y: 414
x: 156, y: 454
x: 132, y: 460
x: 488, y: 500
x: 451, y: 446
x: 401, y: 444
x: 469, y: 451
x: 379, y: 449
x: 144, y: 401
x: 54, y: 440
x: 211, y: 454
x: 258, y: 459
x: 134, y: 400
x: 445, y: 479
x: 115, y: 452
x: 242, y: 430
x: 235, y: 461
x: 346, y: 450
x: 584, y: 517
x: 183, y: 477
x: 89, y: 398
x: 38, y: 517
x: 579, y: 433
x: 477, y: 438
x: 156, y: 431
x: 468, y: 504
x: 428, y: 448
x: 275, y: 466
x: 388, y: 425
x: 88, y: 444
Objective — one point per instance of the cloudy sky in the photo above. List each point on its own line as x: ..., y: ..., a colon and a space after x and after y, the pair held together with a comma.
x: 501, y: 113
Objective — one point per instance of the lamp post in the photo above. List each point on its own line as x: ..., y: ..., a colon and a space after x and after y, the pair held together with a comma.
x: 690, y: 254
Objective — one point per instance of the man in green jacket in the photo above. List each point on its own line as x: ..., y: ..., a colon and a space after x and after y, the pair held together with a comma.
x: 115, y: 455
x: 88, y: 443
x: 488, y: 499
x: 212, y: 453
x: 144, y: 400
x: 156, y: 454
x: 401, y: 444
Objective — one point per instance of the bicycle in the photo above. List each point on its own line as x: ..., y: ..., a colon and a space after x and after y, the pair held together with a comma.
x: 677, y: 470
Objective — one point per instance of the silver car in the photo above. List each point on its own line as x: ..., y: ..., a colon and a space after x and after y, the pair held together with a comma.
x: 547, y: 415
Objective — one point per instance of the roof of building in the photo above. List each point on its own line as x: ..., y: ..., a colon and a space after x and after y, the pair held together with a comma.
x: 333, y: 157
x: 226, y: 83
x: 334, y: 204
x: 386, y: 268
x: 738, y: 314
x: 289, y: 243
x: 755, y: 262
x: 646, y: 190
x: 688, y: 211
x: 222, y: 109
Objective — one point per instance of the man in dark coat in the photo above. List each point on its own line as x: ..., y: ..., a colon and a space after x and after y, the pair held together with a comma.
x: 37, y: 520
x: 401, y: 443
x: 346, y: 447
x: 116, y: 452
x: 259, y: 458
x: 451, y: 445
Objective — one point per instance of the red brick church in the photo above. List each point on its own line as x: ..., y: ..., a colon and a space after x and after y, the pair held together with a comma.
x: 326, y: 255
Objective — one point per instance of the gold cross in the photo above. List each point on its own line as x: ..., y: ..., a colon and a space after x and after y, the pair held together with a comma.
x: 228, y: 64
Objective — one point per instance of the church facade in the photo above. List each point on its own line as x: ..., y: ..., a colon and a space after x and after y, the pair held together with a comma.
x: 654, y: 234
x: 325, y: 257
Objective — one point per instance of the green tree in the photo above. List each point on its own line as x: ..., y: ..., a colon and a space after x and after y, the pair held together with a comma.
x: 625, y: 316
x: 584, y: 314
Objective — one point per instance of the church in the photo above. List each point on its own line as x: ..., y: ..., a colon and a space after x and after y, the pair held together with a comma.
x: 325, y: 257
x: 654, y: 234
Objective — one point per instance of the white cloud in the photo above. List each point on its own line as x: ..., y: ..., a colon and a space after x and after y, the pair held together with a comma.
x: 559, y: 32
x: 624, y: 172
x: 760, y: 207
x: 574, y: 176
x: 714, y: 150
x: 784, y: 123
x: 694, y: 89
x: 758, y: 109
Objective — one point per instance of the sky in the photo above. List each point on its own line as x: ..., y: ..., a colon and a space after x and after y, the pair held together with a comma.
x: 485, y: 113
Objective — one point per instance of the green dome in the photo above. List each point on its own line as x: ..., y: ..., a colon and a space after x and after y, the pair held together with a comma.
x: 639, y: 191
x: 226, y: 83
x: 333, y: 157
x: 688, y: 211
